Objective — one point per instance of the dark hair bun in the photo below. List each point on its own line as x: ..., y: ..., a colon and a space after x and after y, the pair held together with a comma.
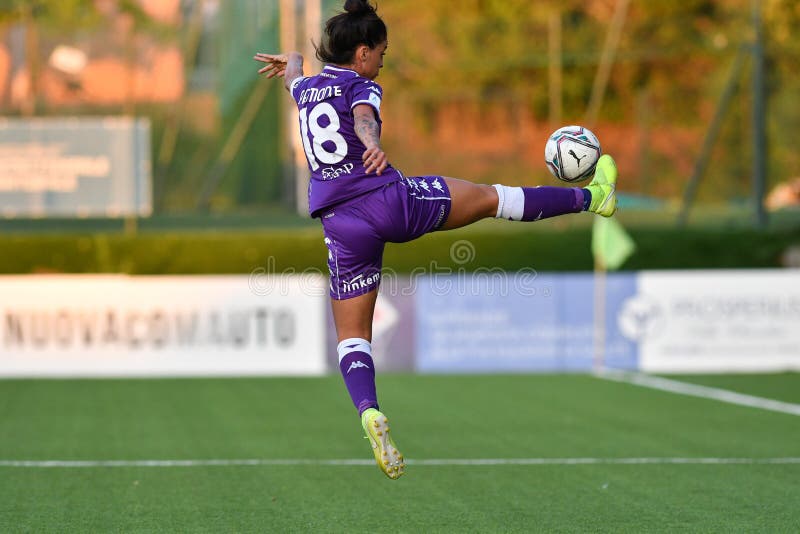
x: 359, y: 24
x: 358, y: 7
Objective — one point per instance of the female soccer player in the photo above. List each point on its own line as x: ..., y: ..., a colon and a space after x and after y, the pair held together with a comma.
x: 364, y: 202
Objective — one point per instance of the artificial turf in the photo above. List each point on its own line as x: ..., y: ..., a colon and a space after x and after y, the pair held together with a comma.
x: 494, y: 417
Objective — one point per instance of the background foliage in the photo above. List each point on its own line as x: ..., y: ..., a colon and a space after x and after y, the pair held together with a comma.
x: 468, y: 91
x: 301, y: 249
x: 468, y: 88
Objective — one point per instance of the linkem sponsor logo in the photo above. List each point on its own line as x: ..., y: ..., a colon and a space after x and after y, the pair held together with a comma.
x: 361, y: 282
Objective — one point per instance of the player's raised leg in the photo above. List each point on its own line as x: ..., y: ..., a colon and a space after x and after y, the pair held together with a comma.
x: 469, y: 203
x: 473, y: 202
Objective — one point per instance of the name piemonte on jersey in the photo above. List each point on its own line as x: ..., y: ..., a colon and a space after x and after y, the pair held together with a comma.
x: 325, y: 103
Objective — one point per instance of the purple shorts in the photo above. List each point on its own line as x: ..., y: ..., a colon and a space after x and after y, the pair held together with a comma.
x: 356, y: 231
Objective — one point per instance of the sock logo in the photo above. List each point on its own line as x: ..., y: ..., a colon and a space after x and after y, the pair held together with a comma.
x: 355, y: 365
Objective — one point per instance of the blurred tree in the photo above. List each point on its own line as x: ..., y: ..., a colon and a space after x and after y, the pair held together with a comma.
x: 481, y: 48
x: 33, y: 14
x: 66, y: 19
x: 469, y: 90
x: 61, y: 14
x: 782, y: 28
x: 477, y: 55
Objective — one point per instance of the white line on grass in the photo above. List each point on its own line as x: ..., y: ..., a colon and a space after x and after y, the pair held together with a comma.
x: 694, y: 390
x: 423, y: 462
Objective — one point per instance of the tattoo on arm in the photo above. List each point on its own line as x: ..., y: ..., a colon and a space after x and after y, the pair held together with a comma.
x: 294, y: 69
x: 367, y: 130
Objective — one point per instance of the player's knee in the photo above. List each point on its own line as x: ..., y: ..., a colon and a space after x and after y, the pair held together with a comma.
x: 489, y: 200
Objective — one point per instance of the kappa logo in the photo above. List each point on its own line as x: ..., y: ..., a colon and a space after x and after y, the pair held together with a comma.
x: 437, y: 185
x: 424, y: 185
x: 355, y: 365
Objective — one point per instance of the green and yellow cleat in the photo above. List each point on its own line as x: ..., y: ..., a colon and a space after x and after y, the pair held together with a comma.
x: 389, y: 459
x: 604, y: 187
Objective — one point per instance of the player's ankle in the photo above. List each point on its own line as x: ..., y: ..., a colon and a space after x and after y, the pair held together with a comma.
x: 587, y: 198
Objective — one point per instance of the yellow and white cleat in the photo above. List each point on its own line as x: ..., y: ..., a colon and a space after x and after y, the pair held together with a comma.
x: 389, y: 459
x: 604, y: 187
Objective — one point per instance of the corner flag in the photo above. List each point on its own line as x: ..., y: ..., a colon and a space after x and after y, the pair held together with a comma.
x: 611, y: 244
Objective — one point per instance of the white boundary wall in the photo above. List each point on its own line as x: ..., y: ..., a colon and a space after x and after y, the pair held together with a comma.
x: 715, y: 321
x: 116, y: 325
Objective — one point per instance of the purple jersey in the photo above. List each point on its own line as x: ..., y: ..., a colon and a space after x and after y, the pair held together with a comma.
x: 332, y: 148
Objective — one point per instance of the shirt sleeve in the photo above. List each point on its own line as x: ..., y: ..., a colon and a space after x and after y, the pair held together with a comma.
x: 294, y: 87
x: 368, y: 92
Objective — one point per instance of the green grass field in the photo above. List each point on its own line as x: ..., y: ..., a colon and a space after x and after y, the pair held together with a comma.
x: 578, y: 433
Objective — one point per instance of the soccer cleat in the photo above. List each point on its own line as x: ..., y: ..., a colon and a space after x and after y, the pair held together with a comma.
x: 388, y: 458
x: 604, y: 187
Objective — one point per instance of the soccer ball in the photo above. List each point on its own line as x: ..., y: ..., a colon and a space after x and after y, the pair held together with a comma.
x: 571, y: 153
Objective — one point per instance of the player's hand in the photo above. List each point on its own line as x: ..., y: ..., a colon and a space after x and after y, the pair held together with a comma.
x: 276, y: 64
x: 375, y: 160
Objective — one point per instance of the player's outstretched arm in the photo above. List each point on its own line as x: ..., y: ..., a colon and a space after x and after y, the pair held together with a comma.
x: 287, y: 66
x: 367, y: 129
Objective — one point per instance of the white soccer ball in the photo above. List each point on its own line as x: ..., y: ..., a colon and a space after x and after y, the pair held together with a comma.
x: 571, y: 153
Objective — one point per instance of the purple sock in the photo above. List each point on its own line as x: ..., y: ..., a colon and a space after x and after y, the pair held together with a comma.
x: 358, y: 372
x: 535, y: 203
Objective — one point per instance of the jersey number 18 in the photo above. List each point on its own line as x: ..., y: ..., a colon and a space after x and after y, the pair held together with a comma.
x: 315, y: 152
